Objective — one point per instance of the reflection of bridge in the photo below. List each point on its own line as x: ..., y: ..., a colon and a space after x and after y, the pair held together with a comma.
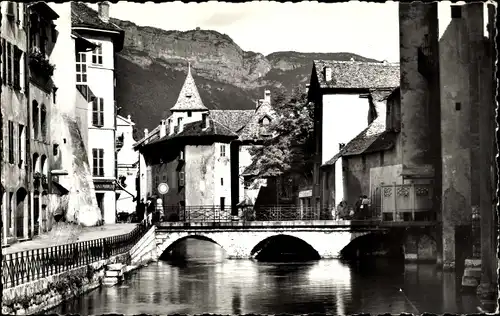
x: 327, y: 237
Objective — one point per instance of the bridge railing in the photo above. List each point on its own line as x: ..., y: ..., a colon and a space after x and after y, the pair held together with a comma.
x: 31, y: 265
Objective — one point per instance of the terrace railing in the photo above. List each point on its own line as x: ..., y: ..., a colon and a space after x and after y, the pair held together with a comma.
x: 202, y: 213
x: 26, y: 266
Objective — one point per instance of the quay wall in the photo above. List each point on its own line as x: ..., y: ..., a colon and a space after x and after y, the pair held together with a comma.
x: 49, y: 292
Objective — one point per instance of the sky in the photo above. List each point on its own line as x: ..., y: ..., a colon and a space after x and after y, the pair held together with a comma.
x: 367, y: 29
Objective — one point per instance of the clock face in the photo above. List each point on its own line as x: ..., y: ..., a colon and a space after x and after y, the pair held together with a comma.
x: 162, y: 188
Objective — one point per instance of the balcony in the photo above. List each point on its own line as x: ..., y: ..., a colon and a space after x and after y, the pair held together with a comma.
x: 41, y: 70
x: 408, y: 202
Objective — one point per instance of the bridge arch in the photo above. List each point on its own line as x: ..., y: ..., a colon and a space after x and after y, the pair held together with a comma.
x: 169, y: 241
x: 282, y: 245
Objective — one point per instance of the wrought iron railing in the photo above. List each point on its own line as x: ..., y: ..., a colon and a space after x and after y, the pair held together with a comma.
x: 203, y: 213
x: 261, y: 213
x: 26, y: 266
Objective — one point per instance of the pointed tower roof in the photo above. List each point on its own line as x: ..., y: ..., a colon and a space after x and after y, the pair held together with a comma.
x: 189, y: 98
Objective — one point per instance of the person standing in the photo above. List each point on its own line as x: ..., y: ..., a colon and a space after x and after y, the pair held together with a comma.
x: 358, y: 207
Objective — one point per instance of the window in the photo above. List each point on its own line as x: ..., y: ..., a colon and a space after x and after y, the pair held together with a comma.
x: 98, y: 162
x: 98, y: 112
x: 189, y: 113
x: 43, y: 121
x: 81, y: 68
x: 382, y: 158
x: 21, y: 145
x: 363, y: 161
x: 17, y: 67
x: 4, y: 61
x: 222, y: 203
x: 181, y: 155
x: 456, y: 11
x: 458, y: 106
x: 179, y: 121
x: 97, y: 55
x: 221, y: 181
x: 181, y: 179
x: 223, y: 150
x: 35, y: 115
x: 265, y: 121
x: 11, y: 142
x: 9, y: 64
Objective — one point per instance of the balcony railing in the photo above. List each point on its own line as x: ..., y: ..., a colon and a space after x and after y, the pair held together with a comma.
x: 408, y: 202
x: 27, y: 266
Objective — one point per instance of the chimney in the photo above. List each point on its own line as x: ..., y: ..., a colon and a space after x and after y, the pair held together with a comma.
x: 267, y: 96
x: 163, y: 129
x: 103, y: 10
x: 205, y: 120
x: 170, y: 127
x: 307, y: 88
x: 328, y: 74
x: 259, y: 103
x: 341, y: 145
x: 128, y: 117
x: 146, y: 132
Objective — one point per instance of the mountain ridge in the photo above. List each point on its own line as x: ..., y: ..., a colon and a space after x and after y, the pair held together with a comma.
x: 152, y: 67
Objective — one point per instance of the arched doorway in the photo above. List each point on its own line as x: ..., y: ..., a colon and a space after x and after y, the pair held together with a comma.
x: 36, y: 212
x: 44, y: 172
x: 20, y: 210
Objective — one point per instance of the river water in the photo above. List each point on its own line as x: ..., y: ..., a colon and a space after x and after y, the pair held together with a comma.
x: 206, y: 282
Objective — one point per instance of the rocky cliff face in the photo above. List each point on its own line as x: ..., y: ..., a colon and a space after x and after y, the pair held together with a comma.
x: 153, y: 64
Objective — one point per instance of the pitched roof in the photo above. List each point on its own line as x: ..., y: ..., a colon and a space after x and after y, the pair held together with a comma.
x: 357, y: 75
x: 196, y: 129
x: 372, y: 139
x: 189, y: 97
x: 84, y: 16
x: 233, y: 119
x: 252, y: 130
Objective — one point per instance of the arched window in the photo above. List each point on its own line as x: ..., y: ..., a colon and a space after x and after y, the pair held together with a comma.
x: 43, y: 121
x: 35, y: 162
x: 35, y: 115
x: 265, y: 121
x: 43, y: 164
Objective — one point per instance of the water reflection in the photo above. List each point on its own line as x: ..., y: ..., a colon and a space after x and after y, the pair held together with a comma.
x: 204, y: 282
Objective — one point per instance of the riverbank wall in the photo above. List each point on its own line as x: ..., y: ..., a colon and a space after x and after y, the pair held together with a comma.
x: 46, y: 293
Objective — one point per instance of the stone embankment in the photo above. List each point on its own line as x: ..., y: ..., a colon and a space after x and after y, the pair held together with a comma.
x: 46, y: 293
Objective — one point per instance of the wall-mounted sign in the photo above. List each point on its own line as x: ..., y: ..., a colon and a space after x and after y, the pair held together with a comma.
x: 163, y: 188
x: 104, y: 186
x: 305, y: 193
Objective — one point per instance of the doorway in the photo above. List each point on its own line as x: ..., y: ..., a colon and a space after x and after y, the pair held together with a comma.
x: 100, y: 203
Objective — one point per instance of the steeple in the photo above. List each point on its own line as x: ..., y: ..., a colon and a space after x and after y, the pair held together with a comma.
x: 189, y: 98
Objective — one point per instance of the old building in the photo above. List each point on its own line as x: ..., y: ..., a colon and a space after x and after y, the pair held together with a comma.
x: 128, y: 165
x: 191, y: 156
x: 42, y: 92
x: 96, y: 70
x: 340, y: 114
x: 72, y: 191
x: 252, y: 134
x: 14, y: 126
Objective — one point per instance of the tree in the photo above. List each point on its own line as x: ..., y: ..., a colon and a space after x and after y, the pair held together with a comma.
x: 290, y: 150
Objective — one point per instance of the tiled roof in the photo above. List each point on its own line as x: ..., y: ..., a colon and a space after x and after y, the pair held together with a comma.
x: 371, y: 139
x: 189, y: 97
x: 84, y: 16
x: 233, y: 119
x: 357, y: 75
x: 196, y: 129
x: 252, y: 130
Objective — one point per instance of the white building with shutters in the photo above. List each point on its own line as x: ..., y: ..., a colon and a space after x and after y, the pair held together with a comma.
x: 95, y: 70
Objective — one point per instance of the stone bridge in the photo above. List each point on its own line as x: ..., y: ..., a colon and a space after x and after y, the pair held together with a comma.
x: 243, y: 240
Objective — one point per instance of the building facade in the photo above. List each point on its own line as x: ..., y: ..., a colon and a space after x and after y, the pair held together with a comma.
x: 96, y: 70
x: 14, y: 125
x: 128, y: 165
x: 334, y: 88
x: 191, y: 155
x: 72, y: 194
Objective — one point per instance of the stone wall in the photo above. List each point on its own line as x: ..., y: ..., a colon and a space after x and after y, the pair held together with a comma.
x: 47, y: 293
